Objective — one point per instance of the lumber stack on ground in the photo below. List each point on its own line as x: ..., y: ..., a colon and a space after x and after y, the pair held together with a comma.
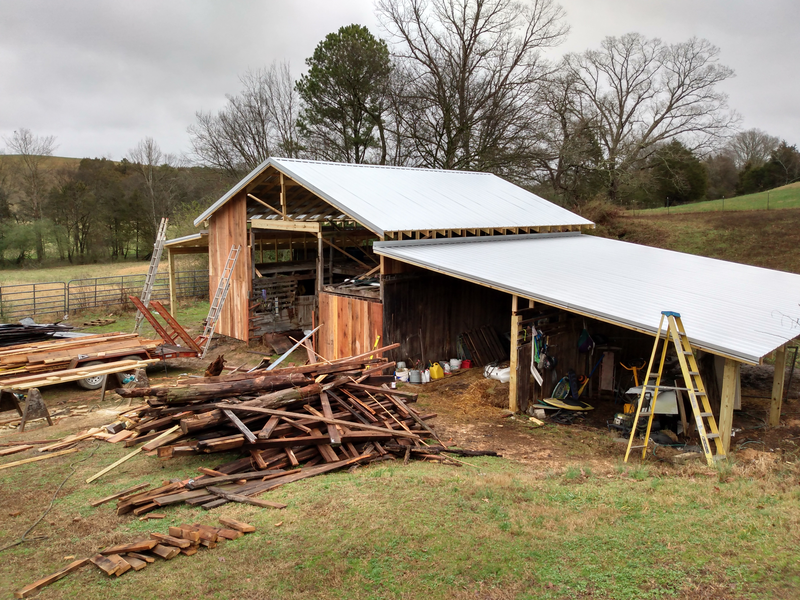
x: 287, y: 424
x: 64, y: 354
x: 138, y: 554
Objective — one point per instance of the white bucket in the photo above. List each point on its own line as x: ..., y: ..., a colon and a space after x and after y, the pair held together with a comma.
x: 401, y: 366
x: 401, y: 375
x: 455, y: 364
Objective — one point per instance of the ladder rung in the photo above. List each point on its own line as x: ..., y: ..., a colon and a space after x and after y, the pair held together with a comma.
x: 693, y: 373
x: 706, y: 415
x: 712, y: 436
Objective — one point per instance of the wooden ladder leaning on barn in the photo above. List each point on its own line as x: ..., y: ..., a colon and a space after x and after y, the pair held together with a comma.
x: 219, y: 299
x: 152, y: 271
x: 704, y: 418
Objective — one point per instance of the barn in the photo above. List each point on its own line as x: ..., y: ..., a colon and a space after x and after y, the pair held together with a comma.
x: 453, y: 262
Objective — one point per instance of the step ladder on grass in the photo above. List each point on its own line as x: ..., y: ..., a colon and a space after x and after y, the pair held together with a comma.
x: 150, y: 279
x: 219, y: 299
x: 707, y: 429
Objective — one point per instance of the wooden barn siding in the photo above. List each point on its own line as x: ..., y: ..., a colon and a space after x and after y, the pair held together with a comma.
x: 349, y: 325
x: 228, y: 226
x: 442, y: 307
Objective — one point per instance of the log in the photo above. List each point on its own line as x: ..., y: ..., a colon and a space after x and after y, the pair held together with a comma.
x: 188, y: 393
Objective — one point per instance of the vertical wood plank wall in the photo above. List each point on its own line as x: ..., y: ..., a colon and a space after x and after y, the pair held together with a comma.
x: 228, y: 227
x: 441, y: 307
x: 349, y: 325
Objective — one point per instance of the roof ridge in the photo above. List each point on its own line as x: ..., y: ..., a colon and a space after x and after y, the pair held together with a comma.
x: 370, y: 165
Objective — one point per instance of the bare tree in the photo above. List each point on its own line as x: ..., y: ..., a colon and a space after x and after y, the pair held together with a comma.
x: 643, y: 92
x: 256, y: 124
x: 30, y: 173
x: 158, y: 174
x: 470, y: 69
x: 753, y: 147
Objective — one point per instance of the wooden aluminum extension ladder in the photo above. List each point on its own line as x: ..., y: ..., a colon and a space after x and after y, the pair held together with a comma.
x: 150, y: 279
x: 219, y: 299
x: 704, y: 418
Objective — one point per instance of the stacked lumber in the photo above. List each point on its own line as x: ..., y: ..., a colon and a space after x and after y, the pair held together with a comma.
x: 13, y: 334
x: 115, y: 561
x: 60, y: 355
x: 287, y: 424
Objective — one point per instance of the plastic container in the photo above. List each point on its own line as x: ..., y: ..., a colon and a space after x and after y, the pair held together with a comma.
x: 414, y: 376
x: 401, y: 366
x: 455, y: 364
x: 466, y: 364
x: 401, y: 375
x: 436, y: 371
x: 501, y: 375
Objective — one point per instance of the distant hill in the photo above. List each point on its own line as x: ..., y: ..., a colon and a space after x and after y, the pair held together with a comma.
x: 787, y: 196
x: 763, y: 238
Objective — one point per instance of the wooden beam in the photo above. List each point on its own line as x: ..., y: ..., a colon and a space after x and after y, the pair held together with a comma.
x: 273, y: 209
x: 347, y: 254
x: 320, y: 263
x: 777, y: 387
x: 306, y: 226
x: 513, y: 383
x: 283, y: 197
x: 730, y: 379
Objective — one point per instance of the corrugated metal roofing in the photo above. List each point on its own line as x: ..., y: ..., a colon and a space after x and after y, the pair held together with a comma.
x: 404, y: 199
x: 735, y: 310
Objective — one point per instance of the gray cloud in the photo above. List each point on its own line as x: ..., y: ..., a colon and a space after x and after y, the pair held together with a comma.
x: 102, y: 75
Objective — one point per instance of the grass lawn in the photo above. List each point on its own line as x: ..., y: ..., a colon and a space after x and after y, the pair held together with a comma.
x: 495, y: 530
x: 787, y: 196
x: 70, y: 272
x: 190, y: 315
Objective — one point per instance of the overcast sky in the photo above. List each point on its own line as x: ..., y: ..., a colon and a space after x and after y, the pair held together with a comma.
x: 101, y: 75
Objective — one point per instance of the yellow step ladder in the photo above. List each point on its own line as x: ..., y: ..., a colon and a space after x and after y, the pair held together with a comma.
x: 704, y: 418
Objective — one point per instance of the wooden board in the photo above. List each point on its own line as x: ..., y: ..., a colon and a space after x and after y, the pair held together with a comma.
x: 228, y: 227
x: 350, y: 325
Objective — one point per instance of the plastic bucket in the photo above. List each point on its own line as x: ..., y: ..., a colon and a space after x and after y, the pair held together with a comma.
x: 414, y: 376
x: 455, y: 364
x: 401, y: 375
x: 401, y: 366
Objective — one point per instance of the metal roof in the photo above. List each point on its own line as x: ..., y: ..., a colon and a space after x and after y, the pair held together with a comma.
x: 201, y: 237
x: 730, y: 309
x: 404, y: 199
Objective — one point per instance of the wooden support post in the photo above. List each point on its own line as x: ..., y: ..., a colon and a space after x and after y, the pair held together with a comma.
x: 730, y: 381
x: 320, y: 263
x: 283, y: 198
x: 173, y: 295
x: 777, y: 387
x: 513, y: 353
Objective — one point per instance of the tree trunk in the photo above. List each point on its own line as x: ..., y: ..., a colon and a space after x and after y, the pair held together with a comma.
x: 208, y: 391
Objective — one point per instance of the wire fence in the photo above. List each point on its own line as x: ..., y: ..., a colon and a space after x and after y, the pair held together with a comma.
x: 56, y: 298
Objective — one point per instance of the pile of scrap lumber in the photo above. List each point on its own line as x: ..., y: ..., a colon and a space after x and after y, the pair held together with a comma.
x: 66, y: 354
x: 288, y: 424
x: 24, y: 333
x: 119, y: 559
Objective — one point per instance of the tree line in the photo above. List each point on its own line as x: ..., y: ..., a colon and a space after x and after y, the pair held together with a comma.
x: 448, y: 84
x: 467, y: 84
x: 94, y: 209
